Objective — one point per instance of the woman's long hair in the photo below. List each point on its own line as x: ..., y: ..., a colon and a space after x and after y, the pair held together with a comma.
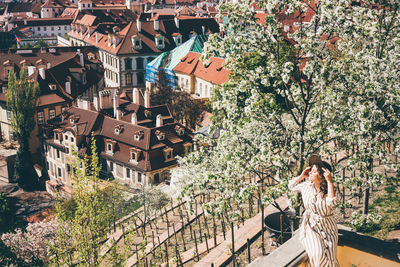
x: 324, y: 184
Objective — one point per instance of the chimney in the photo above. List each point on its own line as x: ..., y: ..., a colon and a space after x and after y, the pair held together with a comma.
x: 42, y: 73
x: 96, y: 102
x: 81, y: 58
x: 48, y: 65
x: 119, y: 114
x: 116, y: 103
x: 134, y: 119
x: 68, y: 87
x: 31, y: 70
x: 97, y: 38
x: 139, y: 25
x: 135, y: 96
x: 177, y: 21
x: 203, y: 29
x: 156, y: 25
x: 146, y: 99
x: 159, y: 121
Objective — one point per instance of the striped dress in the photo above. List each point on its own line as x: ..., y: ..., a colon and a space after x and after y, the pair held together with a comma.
x: 318, y: 231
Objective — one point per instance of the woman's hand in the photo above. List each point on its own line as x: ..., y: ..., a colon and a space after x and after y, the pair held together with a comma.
x: 327, y: 175
x: 305, y: 173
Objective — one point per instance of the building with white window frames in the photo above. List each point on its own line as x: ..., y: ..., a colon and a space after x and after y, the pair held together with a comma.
x: 137, y: 143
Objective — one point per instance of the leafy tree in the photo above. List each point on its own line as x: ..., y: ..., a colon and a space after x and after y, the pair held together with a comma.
x: 22, y: 99
x: 327, y: 79
x: 184, y: 108
x: 41, y: 43
x: 82, y: 231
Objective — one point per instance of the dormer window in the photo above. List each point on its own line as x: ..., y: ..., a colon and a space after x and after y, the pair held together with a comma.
x: 73, y: 119
x: 179, y: 130
x: 52, y: 87
x: 187, y: 147
x: 160, y: 135
x: 118, y: 129
x: 168, y: 153
x: 110, y: 146
x: 136, y: 42
x: 135, y: 155
x: 160, y: 41
x: 147, y: 113
x: 177, y: 38
x: 58, y: 136
x: 138, y: 135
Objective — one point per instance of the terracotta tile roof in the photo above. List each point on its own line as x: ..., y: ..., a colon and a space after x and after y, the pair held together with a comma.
x: 51, y: 99
x: 42, y: 21
x: 59, y: 65
x: 188, y: 63
x: 121, y: 42
x: 149, y: 145
x: 213, y: 72
x: 52, y: 4
x: 87, y: 20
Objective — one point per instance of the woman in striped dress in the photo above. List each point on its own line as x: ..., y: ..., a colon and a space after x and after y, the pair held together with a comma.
x: 318, y: 231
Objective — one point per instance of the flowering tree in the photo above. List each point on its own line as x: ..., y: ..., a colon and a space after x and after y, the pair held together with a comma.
x: 307, y: 75
x: 33, y: 244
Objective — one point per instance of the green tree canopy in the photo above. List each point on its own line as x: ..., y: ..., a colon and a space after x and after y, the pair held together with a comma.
x: 22, y: 100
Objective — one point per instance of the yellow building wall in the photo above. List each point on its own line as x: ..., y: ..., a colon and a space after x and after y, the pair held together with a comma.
x: 351, y: 257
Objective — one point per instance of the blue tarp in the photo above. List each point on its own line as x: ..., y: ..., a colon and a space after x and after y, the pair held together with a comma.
x: 167, y: 61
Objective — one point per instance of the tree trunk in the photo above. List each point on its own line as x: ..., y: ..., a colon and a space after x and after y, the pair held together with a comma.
x: 366, y: 193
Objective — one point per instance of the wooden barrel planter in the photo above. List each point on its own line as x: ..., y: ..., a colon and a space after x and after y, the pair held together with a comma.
x: 279, y: 225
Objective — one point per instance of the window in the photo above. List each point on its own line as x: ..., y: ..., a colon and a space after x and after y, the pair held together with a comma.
x: 59, y: 172
x: 40, y: 116
x: 66, y: 137
x: 128, y: 64
x: 137, y: 43
x: 128, y: 78
x: 72, y: 139
x: 188, y: 147
x: 139, y: 63
x: 139, y: 177
x: 65, y: 27
x: 111, y: 166
x: 11, y: 135
x: 67, y: 150
x: 109, y: 147
x: 45, y: 28
x: 168, y: 153
x: 38, y: 28
x: 52, y: 113
x: 133, y: 156
x: 140, y: 78
x: 68, y: 168
x: 120, y: 170
x: 9, y: 115
x: 58, y: 154
x: 52, y: 28
x: 128, y: 173
x: 187, y: 84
